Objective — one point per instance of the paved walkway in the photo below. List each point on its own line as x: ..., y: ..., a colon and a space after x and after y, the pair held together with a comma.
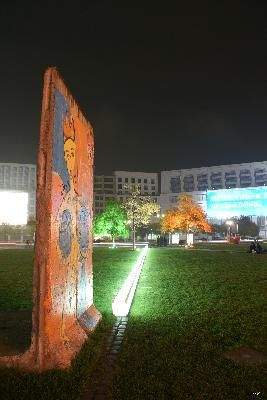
x: 100, y: 384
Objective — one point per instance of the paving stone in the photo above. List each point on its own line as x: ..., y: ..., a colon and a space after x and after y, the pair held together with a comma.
x: 113, y: 337
x: 112, y: 348
x: 115, y: 347
x: 121, y: 327
x: 118, y: 342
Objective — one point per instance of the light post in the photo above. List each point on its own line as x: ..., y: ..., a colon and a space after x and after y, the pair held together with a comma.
x: 229, y: 224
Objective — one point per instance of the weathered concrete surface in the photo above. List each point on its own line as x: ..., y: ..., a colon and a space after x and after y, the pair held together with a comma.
x: 63, y: 311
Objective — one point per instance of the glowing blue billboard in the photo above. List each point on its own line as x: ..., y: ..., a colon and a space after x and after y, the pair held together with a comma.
x: 227, y: 203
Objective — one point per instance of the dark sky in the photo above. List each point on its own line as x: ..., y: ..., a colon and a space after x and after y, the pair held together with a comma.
x: 164, y: 87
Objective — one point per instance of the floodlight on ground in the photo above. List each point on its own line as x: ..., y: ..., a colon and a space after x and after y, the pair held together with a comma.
x: 122, y: 302
x: 13, y: 208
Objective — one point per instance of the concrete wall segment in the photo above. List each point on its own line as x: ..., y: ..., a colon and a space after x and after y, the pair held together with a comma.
x: 63, y: 310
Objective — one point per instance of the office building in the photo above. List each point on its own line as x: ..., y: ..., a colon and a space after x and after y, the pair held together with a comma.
x: 20, y: 178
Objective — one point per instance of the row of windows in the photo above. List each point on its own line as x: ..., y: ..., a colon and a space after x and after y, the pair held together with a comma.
x: 215, y: 182
x: 137, y: 180
x: 229, y: 174
x: 106, y: 179
x: 105, y: 185
x: 106, y: 191
x: 120, y: 187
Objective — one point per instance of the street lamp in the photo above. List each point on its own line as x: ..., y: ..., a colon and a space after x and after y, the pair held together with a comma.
x: 229, y: 224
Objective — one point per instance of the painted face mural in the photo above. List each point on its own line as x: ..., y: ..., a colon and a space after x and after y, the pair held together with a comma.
x: 69, y: 155
x: 71, y: 219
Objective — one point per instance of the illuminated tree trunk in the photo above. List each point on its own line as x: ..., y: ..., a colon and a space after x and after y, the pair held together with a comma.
x: 133, y: 234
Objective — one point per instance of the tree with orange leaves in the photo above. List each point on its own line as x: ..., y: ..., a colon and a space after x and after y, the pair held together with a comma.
x: 187, y: 217
x: 169, y: 221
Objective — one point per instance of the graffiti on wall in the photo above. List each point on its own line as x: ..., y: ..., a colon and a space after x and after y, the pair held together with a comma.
x: 63, y: 309
x: 71, y: 213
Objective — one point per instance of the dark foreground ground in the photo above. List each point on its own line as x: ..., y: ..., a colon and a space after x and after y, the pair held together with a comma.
x: 192, y: 307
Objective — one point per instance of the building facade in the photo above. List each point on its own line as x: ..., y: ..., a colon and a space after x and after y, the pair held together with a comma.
x: 198, y: 180
x: 20, y: 178
x: 147, y: 182
x: 104, y: 190
x: 164, y: 187
x: 119, y: 186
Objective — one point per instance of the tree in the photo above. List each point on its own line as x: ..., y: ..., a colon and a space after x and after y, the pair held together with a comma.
x: 169, y: 221
x: 186, y: 217
x: 246, y: 227
x: 112, y: 221
x: 139, y: 210
x: 219, y: 229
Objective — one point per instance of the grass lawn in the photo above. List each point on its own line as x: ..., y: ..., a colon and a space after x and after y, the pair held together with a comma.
x: 242, y: 247
x: 111, y: 267
x: 16, y: 279
x: 190, y: 307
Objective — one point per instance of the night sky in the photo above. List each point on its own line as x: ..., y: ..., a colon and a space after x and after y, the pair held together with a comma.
x: 164, y: 87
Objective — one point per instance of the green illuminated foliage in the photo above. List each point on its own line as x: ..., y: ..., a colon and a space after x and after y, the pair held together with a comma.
x: 112, y: 221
